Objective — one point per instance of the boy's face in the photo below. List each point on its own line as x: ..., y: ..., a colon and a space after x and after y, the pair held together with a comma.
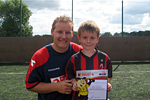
x: 88, y: 40
x: 62, y: 36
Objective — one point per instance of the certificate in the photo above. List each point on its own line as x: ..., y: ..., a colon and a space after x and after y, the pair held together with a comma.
x: 92, y: 84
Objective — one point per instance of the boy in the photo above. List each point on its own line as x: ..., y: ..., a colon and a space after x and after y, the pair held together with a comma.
x: 89, y: 58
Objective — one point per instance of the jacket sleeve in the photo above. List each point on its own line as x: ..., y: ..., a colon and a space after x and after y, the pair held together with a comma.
x: 109, y: 66
x: 70, y: 69
x: 34, y: 74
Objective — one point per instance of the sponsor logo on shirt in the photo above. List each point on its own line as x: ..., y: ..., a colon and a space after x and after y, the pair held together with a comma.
x: 32, y: 62
x: 57, y: 79
x: 101, y: 66
x: 54, y: 69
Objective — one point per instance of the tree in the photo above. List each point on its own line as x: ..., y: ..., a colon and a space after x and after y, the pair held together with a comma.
x: 107, y: 34
x: 1, y: 3
x: 146, y: 33
x: 133, y: 33
x: 125, y: 34
x: 46, y: 35
x: 10, y: 19
x: 37, y: 36
x: 75, y: 34
x: 117, y: 34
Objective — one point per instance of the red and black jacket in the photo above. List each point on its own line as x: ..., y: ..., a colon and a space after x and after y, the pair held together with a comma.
x: 48, y: 66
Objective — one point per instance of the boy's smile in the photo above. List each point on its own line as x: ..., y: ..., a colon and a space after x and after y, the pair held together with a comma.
x: 88, y: 40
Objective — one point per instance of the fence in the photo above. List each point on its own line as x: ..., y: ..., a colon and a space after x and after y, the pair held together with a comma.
x: 21, y: 49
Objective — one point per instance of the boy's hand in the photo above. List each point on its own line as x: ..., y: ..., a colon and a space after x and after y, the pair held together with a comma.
x: 75, y: 87
x: 109, y: 87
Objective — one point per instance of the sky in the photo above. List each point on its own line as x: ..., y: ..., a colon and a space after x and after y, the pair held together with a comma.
x: 106, y: 13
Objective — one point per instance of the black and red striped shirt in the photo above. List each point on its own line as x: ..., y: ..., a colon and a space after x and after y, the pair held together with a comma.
x: 79, y: 61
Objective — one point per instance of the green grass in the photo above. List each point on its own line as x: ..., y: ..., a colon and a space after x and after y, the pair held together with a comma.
x: 130, y: 82
x: 12, y: 86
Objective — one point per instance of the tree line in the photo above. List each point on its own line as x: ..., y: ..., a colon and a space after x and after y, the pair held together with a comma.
x: 108, y: 34
x: 127, y: 34
x: 10, y: 22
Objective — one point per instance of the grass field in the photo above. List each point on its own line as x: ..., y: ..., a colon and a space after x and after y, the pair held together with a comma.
x: 130, y: 82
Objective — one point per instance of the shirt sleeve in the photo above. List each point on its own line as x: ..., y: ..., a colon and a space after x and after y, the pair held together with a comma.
x: 34, y: 74
x: 31, y: 74
x: 109, y: 68
x: 70, y: 69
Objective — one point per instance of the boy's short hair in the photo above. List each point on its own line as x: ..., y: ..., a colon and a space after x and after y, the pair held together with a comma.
x: 62, y: 19
x: 89, y: 25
